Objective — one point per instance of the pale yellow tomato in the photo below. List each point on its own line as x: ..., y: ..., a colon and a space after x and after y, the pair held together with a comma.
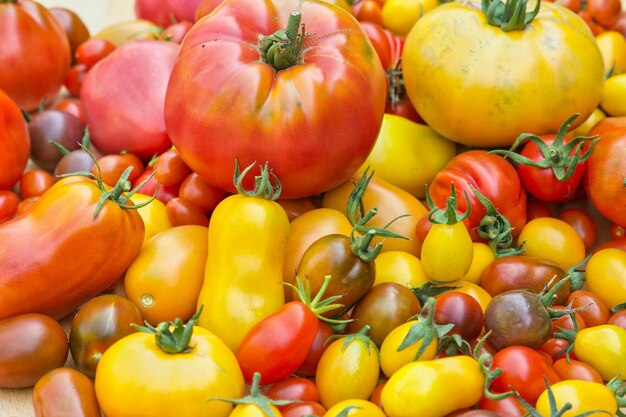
x: 400, y: 267
x: 482, y: 256
x: 613, y: 100
x: 154, y: 215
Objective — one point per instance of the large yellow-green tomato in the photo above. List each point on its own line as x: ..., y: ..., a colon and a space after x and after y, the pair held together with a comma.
x: 479, y: 85
x: 408, y: 154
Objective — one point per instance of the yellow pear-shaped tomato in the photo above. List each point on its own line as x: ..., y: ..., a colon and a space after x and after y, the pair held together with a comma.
x: 583, y: 396
x: 604, y: 348
x: 447, y: 252
x: 131, y: 30
x: 164, y: 280
x: 409, y: 154
x: 401, y: 267
x: 606, y: 276
x: 479, y: 85
x: 154, y: 215
x: 392, y: 359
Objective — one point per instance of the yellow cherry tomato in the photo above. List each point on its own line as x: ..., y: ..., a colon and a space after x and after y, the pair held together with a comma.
x: 604, y: 348
x: 131, y: 30
x: 136, y: 377
x: 400, y: 267
x: 613, y: 100
x: 409, y: 154
x: 589, y: 123
x: 391, y: 359
x: 164, y: 280
x: 482, y: 255
x: 606, y: 276
x: 154, y: 216
x: 612, y: 45
x: 348, y: 369
x: 356, y: 408
x: 399, y: 16
x: 433, y: 388
x: 553, y: 239
x: 583, y: 396
x: 475, y: 291
x: 447, y: 252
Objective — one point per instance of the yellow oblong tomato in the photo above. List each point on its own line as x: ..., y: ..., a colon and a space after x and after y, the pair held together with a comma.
x: 409, y: 154
x: 306, y: 229
x: 606, y: 276
x: 433, y: 388
x: 154, y: 215
x: 165, y: 279
x: 613, y: 96
x: 399, y: 16
x: 392, y: 359
x: 583, y: 396
x: 136, y: 377
x: 400, y: 267
x: 355, y: 408
x: 391, y: 202
x: 479, y: 85
x: 553, y: 239
x: 604, y: 348
x: 612, y: 45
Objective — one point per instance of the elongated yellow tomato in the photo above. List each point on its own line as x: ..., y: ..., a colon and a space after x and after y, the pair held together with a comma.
x: 401, y: 267
x: 613, y: 94
x: 306, y: 229
x: 399, y: 16
x: 136, y: 377
x: 553, y: 239
x: 164, y: 280
x: 392, y: 359
x: 348, y: 369
x: 612, y: 45
x: 355, y: 408
x: 408, y: 154
x: 604, y: 348
x: 244, y: 268
x: 391, y: 202
x: 589, y: 123
x: 606, y: 275
x: 154, y: 216
x: 583, y: 396
x: 482, y: 255
x: 433, y: 388
x: 479, y: 85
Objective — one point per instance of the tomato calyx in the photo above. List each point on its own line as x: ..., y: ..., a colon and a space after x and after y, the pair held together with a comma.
x: 263, y: 187
x: 425, y: 330
x: 283, y: 48
x: 496, y: 229
x: 561, y: 158
x: 396, y: 91
x: 450, y: 215
x: 176, y: 341
x: 618, y: 387
x: 317, y: 306
x: 432, y: 289
x: 576, y: 275
x: 361, y: 335
x: 360, y: 245
x: 256, y: 398
x: 510, y: 15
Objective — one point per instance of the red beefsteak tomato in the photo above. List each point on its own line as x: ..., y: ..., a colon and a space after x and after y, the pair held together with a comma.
x: 252, y: 81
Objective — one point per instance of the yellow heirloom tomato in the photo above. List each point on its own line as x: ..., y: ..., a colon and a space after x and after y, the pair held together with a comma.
x: 433, y: 388
x: 354, y: 408
x: 583, y: 396
x: 400, y: 267
x: 604, y: 348
x: 612, y: 45
x: 606, y: 276
x: 408, y: 154
x: 164, y: 280
x: 482, y: 85
x: 154, y: 215
x: 399, y: 16
x: 614, y: 96
x: 168, y: 371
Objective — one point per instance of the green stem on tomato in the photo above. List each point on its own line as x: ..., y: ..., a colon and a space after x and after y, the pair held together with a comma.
x: 283, y: 48
x: 510, y: 15
x: 172, y: 341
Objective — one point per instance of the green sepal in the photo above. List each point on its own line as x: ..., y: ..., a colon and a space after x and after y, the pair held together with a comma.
x: 283, y: 48
x: 263, y: 187
x: 432, y: 289
x: 346, y: 410
x: 618, y: 307
x: 450, y: 214
x: 577, y: 275
x: 509, y: 16
x: 484, y: 361
x: 173, y: 342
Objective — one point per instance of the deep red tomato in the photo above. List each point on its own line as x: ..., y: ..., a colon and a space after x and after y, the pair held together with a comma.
x: 555, y: 348
x: 463, y: 311
x: 35, y: 182
x: 286, y: 108
x: 523, y: 369
x: 27, y: 77
x: 606, y: 170
x: 491, y: 175
x: 507, y: 407
x: 294, y: 388
x: 14, y: 142
x: 93, y: 50
x: 583, y: 223
x: 319, y: 345
x: 181, y: 212
x: 595, y: 312
x: 201, y: 193
x: 536, y: 208
x: 574, y: 369
x: 74, y: 79
x: 9, y: 202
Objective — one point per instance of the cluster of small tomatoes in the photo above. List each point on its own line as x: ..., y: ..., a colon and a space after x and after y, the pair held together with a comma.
x: 312, y: 208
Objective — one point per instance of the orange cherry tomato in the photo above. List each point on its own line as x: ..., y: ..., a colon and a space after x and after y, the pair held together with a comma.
x: 9, y: 203
x: 34, y: 183
x: 170, y: 169
x: 199, y: 192
x: 112, y: 166
x: 575, y: 369
x: 182, y: 212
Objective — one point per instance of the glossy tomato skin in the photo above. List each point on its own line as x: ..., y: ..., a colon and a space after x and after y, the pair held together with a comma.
x: 490, y: 174
x: 31, y: 27
x: 606, y: 170
x: 583, y: 223
x: 288, y: 117
x: 14, y: 142
x: 461, y: 310
x: 595, y: 311
x: 304, y: 408
x: 319, y: 345
x: 34, y: 183
x: 9, y: 202
x: 49, y: 125
x: 30, y: 346
x: 575, y: 369
x: 66, y: 392
x: 76, y: 30
x: 445, y: 89
x: 294, y: 388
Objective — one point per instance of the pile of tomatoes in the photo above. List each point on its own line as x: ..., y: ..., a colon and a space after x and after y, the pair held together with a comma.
x: 312, y: 208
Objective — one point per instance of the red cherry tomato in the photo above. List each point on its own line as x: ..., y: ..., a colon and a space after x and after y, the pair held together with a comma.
x: 583, y: 223
x: 170, y: 169
x: 294, y: 388
x: 74, y: 79
x: 34, y: 183
x: 9, y: 202
x: 93, y: 50
x: 201, y: 193
x: 182, y: 212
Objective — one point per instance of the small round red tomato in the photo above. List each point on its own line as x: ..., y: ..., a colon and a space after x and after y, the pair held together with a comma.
x: 506, y: 407
x: 112, y: 166
x: 74, y: 79
x: 594, y: 313
x: 319, y: 345
x: 170, y: 169
x: 201, y: 193
x: 72, y: 106
x: 618, y: 319
x: 461, y: 310
x: 294, y: 388
x: 565, y: 322
x: 575, y: 369
x: 181, y: 212
x: 9, y: 202
x: 604, y: 12
x: 368, y: 11
x: 93, y: 50
x: 556, y: 348
x: 583, y: 223
x: 34, y: 183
